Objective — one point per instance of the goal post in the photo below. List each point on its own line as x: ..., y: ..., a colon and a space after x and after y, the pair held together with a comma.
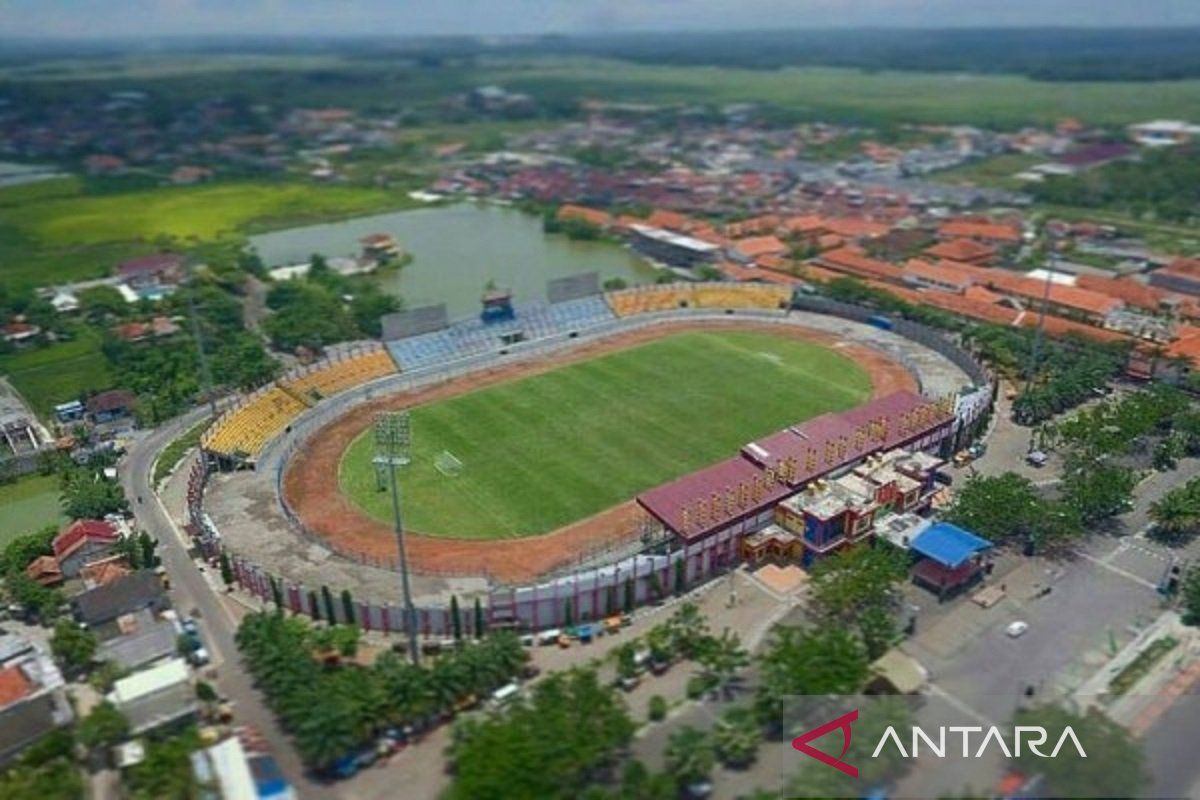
x: 447, y: 463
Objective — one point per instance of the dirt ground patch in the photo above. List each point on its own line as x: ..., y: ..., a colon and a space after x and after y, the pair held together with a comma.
x: 311, y: 482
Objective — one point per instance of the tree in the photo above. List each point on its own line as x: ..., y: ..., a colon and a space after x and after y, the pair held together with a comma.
x: 226, y: 569
x: 480, y: 620
x: 276, y: 593
x: 1097, y: 488
x: 456, y: 619
x: 1114, y: 767
x: 348, y: 608
x: 313, y: 606
x: 736, y: 737
x: 721, y: 660
x: 656, y: 708
x: 814, y: 661
x: 105, y: 726
x: 571, y: 727
x: 1189, y: 594
x: 630, y: 595
x: 148, y: 550
x: 680, y: 577
x: 614, y: 284
x: 72, y: 645
x: 689, y: 757
x: 1007, y: 507
x: 568, y: 613
x: 857, y: 578
x: 1176, y: 514
x: 688, y: 629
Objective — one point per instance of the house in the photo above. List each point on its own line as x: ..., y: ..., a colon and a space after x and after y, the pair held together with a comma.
x: 162, y: 269
x: 105, y: 604
x: 988, y: 232
x: 856, y: 263
x: 592, y: 216
x: 855, y: 228
x: 64, y: 301
x: 83, y: 541
x: 156, y: 697
x: 104, y: 571
x: 942, y: 277
x: 751, y: 249
x: 32, y: 700
x: 45, y: 571
x: 146, y: 639
x: 235, y: 770
x: 69, y: 412
x: 964, y: 251
x: 19, y: 331
x: 110, y: 406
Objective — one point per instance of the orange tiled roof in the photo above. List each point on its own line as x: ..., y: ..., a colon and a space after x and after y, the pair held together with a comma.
x: 853, y: 261
x: 592, y: 216
x: 980, y: 230
x: 961, y: 250
x: 755, y: 225
x: 45, y: 570
x: 1057, y: 326
x: 13, y: 685
x: 820, y: 274
x: 1034, y: 289
x: 1135, y: 294
x: 760, y: 246
x: 856, y: 228
x: 942, y: 273
x: 1187, y: 345
x: 982, y: 295
x: 807, y: 223
x: 105, y: 570
x: 673, y: 220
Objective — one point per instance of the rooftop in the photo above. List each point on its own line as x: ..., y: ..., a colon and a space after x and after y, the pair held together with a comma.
x: 949, y: 545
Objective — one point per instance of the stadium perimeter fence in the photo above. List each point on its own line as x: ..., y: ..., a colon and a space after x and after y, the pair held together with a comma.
x: 578, y: 590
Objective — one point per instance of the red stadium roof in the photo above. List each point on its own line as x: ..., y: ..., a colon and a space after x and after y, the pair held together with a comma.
x: 769, y: 469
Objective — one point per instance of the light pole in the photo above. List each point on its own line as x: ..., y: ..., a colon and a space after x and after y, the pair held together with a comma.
x: 393, y: 435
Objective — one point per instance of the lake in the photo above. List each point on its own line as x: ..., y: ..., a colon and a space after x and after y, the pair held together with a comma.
x: 456, y: 250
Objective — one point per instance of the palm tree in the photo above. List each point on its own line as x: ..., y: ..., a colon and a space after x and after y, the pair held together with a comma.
x: 721, y: 659
x: 1177, y: 513
x: 736, y: 737
x: 689, y: 756
x: 688, y: 629
x: 661, y: 644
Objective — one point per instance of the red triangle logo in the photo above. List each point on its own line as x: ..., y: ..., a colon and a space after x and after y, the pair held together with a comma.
x: 842, y: 723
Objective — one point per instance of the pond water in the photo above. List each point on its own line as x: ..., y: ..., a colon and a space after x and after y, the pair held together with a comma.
x: 456, y: 250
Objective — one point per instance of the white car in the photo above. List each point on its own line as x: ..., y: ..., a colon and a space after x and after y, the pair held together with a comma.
x: 1016, y: 628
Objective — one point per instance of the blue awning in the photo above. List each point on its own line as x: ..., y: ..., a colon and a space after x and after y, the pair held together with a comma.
x: 948, y: 545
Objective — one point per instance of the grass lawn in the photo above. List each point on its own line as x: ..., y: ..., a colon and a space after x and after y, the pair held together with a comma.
x: 856, y: 95
x: 57, y: 373
x: 550, y: 449
x: 27, y: 505
x: 188, y: 212
x: 171, y: 454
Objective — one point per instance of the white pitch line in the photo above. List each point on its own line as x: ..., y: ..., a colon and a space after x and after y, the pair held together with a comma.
x: 1116, y: 570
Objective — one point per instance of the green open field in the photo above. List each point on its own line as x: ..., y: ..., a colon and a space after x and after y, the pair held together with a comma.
x: 547, y: 450
x: 59, y: 230
x: 27, y: 505
x: 57, y: 373
x: 874, y: 97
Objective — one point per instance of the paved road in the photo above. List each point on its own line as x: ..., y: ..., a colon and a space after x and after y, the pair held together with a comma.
x: 190, y: 590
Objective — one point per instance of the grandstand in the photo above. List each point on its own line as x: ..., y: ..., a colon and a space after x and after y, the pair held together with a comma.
x: 473, y: 336
x: 329, y: 378
x: 648, y: 299
x: 242, y: 432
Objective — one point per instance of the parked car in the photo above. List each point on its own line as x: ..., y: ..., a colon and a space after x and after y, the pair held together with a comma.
x: 1016, y: 628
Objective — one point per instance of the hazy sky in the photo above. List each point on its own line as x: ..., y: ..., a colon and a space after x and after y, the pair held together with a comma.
x: 93, y: 18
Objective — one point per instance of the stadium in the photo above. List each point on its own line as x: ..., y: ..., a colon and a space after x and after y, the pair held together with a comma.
x: 592, y: 445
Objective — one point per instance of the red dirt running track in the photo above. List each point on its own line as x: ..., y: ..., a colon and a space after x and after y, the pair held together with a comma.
x: 311, y: 482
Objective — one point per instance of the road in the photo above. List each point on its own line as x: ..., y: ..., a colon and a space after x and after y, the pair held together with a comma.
x: 191, y: 590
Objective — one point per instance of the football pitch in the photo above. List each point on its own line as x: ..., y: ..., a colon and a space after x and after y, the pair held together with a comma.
x: 547, y: 450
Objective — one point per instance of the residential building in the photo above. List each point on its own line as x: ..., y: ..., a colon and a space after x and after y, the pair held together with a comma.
x: 1181, y: 275
x: 32, y: 700
x: 163, y: 269
x: 156, y: 697
x: 111, y: 406
x: 82, y: 541
x: 101, y: 607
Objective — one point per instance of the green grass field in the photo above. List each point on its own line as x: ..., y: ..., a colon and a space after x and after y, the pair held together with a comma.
x: 57, y: 373
x: 28, y: 505
x: 550, y: 449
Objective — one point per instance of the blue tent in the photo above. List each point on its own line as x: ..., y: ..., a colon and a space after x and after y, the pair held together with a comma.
x: 948, y: 545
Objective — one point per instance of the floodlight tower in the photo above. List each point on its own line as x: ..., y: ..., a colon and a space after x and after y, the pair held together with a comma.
x: 393, y: 434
